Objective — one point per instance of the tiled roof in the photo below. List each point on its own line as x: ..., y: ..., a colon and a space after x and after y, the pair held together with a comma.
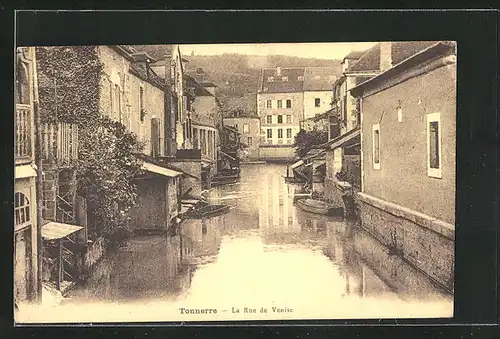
x: 370, y: 61
x: 320, y: 78
x: 292, y: 81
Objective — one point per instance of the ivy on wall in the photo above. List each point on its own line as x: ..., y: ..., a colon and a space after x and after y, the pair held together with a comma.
x: 69, y: 88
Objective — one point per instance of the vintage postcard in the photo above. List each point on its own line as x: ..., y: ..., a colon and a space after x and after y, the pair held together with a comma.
x: 292, y: 181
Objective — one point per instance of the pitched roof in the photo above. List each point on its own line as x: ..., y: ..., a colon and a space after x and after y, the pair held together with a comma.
x: 199, y: 90
x: 370, y: 61
x: 440, y: 48
x: 355, y: 54
x: 159, y: 68
x: 157, y: 52
x: 320, y: 78
x: 123, y: 50
x: 208, y: 84
x: 271, y: 82
x: 150, y: 76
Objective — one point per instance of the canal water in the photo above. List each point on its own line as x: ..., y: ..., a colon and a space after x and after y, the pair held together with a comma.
x: 264, y: 260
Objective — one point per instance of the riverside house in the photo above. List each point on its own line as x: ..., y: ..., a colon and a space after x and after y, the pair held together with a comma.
x: 135, y: 96
x: 285, y: 98
x: 343, y: 157
x: 131, y: 93
x: 206, y: 118
x: 408, y: 133
x: 25, y: 195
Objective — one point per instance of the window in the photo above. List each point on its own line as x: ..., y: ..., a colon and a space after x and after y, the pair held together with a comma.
x: 289, y: 103
x: 288, y: 133
x: 21, y: 210
x: 284, y: 78
x: 249, y: 141
x: 434, y: 145
x: 280, y: 133
x: 288, y: 119
x: 280, y: 119
x: 280, y: 103
x: 270, y: 79
x: 246, y: 128
x: 269, y: 119
x: 317, y: 102
x: 269, y: 133
x: 141, y: 103
x: 376, y: 146
x: 269, y: 104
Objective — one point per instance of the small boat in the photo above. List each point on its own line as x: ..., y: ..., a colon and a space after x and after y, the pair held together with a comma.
x: 209, y: 211
x: 319, y: 207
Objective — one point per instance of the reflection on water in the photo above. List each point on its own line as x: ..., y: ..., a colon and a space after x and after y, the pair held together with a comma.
x: 264, y: 252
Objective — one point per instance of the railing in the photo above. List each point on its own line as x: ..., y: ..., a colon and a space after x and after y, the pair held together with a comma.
x: 23, y: 132
x: 60, y: 142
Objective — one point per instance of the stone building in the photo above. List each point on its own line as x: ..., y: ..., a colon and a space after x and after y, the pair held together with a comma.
x: 249, y: 134
x: 134, y: 95
x: 25, y: 194
x: 180, y: 95
x: 408, y: 133
x: 343, y: 150
x: 130, y: 92
x: 318, y: 84
x: 284, y: 97
x: 205, y: 123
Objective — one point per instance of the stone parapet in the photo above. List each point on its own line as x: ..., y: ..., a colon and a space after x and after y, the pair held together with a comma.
x: 425, y: 242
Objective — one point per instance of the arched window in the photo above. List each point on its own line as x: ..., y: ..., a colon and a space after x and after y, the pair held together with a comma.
x: 21, y: 209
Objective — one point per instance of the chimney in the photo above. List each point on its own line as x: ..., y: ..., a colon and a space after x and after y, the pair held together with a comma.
x: 278, y: 71
x: 385, y: 56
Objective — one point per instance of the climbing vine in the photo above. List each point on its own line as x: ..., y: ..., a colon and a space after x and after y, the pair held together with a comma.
x: 69, y: 89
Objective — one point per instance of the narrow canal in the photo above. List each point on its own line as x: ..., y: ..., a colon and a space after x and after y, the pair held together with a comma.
x: 264, y: 254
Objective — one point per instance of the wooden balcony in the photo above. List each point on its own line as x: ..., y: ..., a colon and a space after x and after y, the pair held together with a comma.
x: 23, y: 134
x: 59, y: 143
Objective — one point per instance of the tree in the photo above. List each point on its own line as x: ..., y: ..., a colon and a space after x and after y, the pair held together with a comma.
x: 106, y: 171
x: 305, y: 141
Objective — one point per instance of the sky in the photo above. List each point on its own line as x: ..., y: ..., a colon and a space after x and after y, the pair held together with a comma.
x: 307, y: 50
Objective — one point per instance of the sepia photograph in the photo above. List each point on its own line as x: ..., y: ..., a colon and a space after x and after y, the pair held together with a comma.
x: 234, y: 182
